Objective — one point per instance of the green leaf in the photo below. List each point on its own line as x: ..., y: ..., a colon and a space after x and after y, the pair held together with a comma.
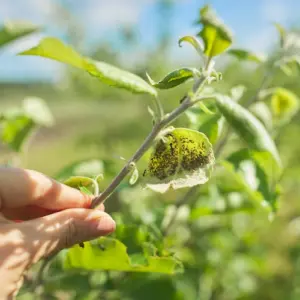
x: 242, y: 54
x: 194, y: 42
x: 13, y: 30
x: 249, y: 128
x: 37, y: 109
x: 111, y: 254
x: 16, y: 130
x: 238, y: 183
x: 181, y: 158
x: 215, y: 35
x: 88, y: 168
x: 54, y: 49
x: 174, y: 78
x: 267, y: 171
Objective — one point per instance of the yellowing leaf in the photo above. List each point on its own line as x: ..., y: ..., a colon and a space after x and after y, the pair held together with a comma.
x: 55, y: 49
x: 181, y: 158
x: 215, y: 35
x: 284, y: 103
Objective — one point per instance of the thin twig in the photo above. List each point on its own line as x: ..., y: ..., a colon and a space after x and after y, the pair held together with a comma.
x: 157, y: 128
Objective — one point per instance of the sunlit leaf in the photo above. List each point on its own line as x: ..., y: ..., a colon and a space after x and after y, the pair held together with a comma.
x: 54, y: 49
x: 249, y: 128
x: 246, y: 55
x: 111, y: 254
x: 174, y: 78
x: 37, y: 109
x: 181, y: 158
x: 13, y: 30
x: 215, y: 35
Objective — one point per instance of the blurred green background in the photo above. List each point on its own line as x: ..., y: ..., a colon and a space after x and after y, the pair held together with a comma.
x: 233, y: 256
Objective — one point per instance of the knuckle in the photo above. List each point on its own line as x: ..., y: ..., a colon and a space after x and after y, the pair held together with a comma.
x: 71, y: 235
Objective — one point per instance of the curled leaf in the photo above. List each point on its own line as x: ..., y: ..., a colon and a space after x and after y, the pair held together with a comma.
x: 85, y: 184
x: 181, y: 158
x: 174, y: 78
x: 134, y: 175
x: 194, y: 42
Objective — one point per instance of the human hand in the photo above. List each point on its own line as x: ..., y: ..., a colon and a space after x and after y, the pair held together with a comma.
x: 54, y: 217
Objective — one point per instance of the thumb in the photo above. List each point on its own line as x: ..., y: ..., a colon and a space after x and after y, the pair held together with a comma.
x: 64, y: 229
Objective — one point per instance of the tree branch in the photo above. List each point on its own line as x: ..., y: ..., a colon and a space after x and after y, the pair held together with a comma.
x: 157, y: 128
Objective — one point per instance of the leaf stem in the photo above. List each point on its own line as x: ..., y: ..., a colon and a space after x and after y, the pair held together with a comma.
x: 161, y: 124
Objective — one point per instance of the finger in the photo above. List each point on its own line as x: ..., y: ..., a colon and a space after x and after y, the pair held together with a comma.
x: 65, y: 229
x: 19, y: 188
x: 30, y: 212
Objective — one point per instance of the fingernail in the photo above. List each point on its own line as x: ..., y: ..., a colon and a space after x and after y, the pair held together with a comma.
x: 95, y: 215
x: 101, y: 221
x: 106, y: 224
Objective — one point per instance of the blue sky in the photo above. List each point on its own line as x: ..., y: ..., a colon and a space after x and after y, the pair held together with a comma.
x: 250, y: 20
